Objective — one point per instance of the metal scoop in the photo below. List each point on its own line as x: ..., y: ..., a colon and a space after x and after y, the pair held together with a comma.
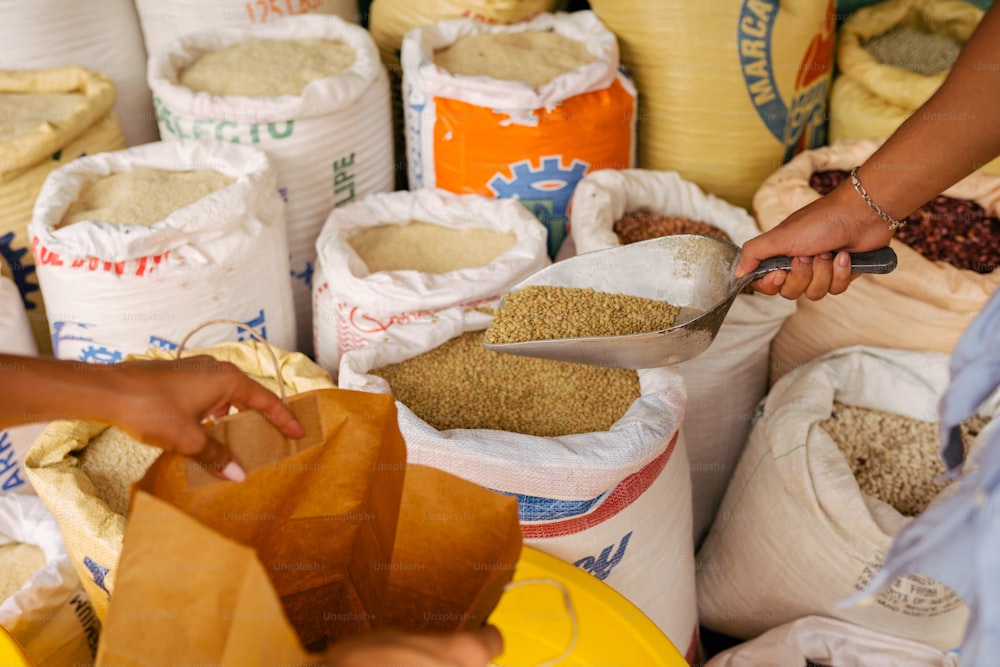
x: 692, y: 271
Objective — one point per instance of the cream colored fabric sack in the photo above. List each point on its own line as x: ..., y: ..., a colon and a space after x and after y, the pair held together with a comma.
x: 871, y: 99
x: 354, y: 306
x: 330, y: 145
x: 795, y: 536
x: 615, y: 503
x: 725, y: 382
x: 27, y: 160
x: 827, y: 641
x: 121, y: 288
x: 728, y: 90
x: 101, y: 36
x: 922, y: 305
x: 92, y: 529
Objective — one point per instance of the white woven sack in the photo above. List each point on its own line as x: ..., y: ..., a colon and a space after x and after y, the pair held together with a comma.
x: 540, y: 168
x: 725, y: 382
x: 353, y: 306
x: 827, y: 641
x: 331, y: 145
x: 119, y: 289
x: 616, y: 503
x: 102, y: 36
x: 795, y: 535
x: 15, y: 338
x: 163, y: 21
x: 50, y: 616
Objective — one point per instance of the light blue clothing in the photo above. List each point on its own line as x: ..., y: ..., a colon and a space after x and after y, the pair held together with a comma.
x: 957, y: 541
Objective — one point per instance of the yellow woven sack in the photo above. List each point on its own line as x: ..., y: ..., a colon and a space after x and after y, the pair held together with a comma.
x: 26, y: 160
x: 728, y: 91
x: 91, y: 528
x: 922, y: 305
x: 871, y: 99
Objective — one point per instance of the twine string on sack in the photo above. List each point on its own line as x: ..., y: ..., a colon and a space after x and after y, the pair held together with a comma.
x: 257, y: 336
x: 570, y: 613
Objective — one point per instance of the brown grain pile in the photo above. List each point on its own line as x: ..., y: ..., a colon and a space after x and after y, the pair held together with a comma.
x: 644, y: 224
x: 461, y: 384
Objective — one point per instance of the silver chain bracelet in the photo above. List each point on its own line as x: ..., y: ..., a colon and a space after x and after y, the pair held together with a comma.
x: 893, y: 223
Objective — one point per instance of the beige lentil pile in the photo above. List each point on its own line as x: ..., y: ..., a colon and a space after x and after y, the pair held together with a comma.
x: 542, y: 312
x: 893, y: 458
x: 644, y: 224
x: 922, y: 52
x: 114, y: 461
x: 267, y: 67
x: 533, y: 56
x: 461, y: 384
x: 428, y: 248
x: 21, y: 113
x: 143, y: 196
x: 18, y: 563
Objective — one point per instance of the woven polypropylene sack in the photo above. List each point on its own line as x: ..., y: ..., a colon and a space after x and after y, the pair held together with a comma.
x: 27, y: 160
x: 728, y: 90
x: 353, y: 306
x: 101, y: 36
x: 615, y: 503
x: 331, y: 145
x: 827, y: 641
x: 163, y: 21
x: 526, y: 141
x: 15, y: 338
x: 921, y: 305
x: 91, y: 528
x: 794, y: 486
x: 883, y: 95
x: 50, y: 616
x: 390, y: 20
x: 116, y: 289
x: 717, y: 422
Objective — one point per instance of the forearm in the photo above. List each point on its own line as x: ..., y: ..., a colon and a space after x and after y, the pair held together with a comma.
x: 40, y: 389
x: 954, y: 133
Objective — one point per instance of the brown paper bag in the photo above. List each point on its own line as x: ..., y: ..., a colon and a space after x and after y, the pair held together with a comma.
x: 322, y: 541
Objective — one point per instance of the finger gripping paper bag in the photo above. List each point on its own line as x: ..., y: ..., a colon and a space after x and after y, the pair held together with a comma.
x: 330, y: 536
x: 482, y: 134
x: 83, y: 471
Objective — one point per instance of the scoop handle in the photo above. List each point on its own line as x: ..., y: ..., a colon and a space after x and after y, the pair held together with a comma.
x: 882, y: 260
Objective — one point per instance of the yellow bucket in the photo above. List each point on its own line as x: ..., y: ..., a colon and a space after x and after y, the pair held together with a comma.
x: 11, y: 653
x: 537, y: 627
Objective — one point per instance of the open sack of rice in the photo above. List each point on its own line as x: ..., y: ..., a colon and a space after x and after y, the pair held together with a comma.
x: 163, y: 21
x: 843, y: 454
x: 595, y: 456
x: 49, y: 117
x: 42, y: 605
x: 137, y: 247
x: 390, y: 20
x: 724, y: 383
x: 84, y: 471
x: 311, y: 92
x: 948, y: 255
x: 103, y: 37
x: 728, y: 90
x: 519, y: 98
x: 891, y: 57
x: 394, y: 258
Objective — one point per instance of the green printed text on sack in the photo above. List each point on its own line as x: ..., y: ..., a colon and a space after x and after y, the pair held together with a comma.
x: 186, y: 127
